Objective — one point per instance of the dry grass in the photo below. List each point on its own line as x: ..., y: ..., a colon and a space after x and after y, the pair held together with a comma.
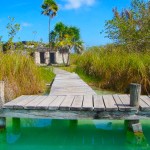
x: 21, y: 75
x: 116, y: 70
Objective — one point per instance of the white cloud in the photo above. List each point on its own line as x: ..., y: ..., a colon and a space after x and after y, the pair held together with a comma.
x: 75, y: 4
x: 26, y: 24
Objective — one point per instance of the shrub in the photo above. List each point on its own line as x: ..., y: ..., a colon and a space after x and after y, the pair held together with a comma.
x: 116, y: 70
x: 21, y: 75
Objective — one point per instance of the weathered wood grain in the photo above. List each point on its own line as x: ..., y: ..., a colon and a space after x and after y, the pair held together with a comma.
x: 109, y: 102
x: 20, y: 104
x: 33, y: 104
x: 126, y: 102
x: 119, y: 102
x: 77, y: 103
x: 146, y: 99
x: 2, y: 99
x: 56, y: 103
x: 15, y: 101
x: 135, y: 92
x: 144, y: 106
x: 66, y: 104
x: 46, y: 102
x: 98, y: 103
x: 87, y: 102
x: 69, y: 84
x: 72, y: 115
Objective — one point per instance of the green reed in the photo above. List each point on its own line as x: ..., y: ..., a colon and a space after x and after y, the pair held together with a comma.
x: 115, y: 70
x: 21, y: 75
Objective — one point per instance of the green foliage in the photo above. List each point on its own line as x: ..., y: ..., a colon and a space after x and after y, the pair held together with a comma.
x: 8, y: 46
x: 116, y: 70
x: 12, y: 28
x: 131, y: 27
x: 21, y: 75
x: 47, y: 74
x: 65, y: 38
x: 50, y: 8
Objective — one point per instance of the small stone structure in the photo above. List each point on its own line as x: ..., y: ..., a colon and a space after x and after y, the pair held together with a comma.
x: 43, y: 56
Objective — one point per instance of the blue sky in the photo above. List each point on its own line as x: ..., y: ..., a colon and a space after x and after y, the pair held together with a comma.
x: 88, y: 15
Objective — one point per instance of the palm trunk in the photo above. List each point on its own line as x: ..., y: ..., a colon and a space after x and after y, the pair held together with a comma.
x: 68, y: 59
x: 49, y: 31
x: 49, y: 39
x: 63, y: 57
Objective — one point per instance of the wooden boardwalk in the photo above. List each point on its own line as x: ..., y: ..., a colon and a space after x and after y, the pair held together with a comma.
x: 66, y: 83
x: 71, y: 98
x: 77, y: 107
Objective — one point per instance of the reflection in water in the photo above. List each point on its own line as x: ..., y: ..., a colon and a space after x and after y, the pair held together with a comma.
x: 44, y: 134
x: 136, y: 141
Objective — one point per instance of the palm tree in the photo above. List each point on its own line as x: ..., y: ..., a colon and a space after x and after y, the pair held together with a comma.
x: 50, y: 9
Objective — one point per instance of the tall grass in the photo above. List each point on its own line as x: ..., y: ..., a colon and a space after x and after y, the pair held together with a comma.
x: 21, y: 75
x: 116, y: 70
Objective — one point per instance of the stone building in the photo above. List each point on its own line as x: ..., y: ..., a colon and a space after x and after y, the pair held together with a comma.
x: 43, y: 56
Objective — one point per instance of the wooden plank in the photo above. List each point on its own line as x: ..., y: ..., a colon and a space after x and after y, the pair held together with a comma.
x: 33, y: 104
x: 15, y: 101
x: 56, y: 103
x: 46, y: 102
x: 77, y: 103
x: 74, y: 115
x: 66, y: 104
x: 126, y: 102
x: 110, y: 104
x: 87, y: 102
x: 70, y: 84
x: 119, y: 102
x: 144, y: 106
x: 146, y: 99
x: 98, y: 103
x: 21, y: 104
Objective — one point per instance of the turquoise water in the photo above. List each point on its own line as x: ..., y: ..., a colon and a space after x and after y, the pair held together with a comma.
x: 39, y: 134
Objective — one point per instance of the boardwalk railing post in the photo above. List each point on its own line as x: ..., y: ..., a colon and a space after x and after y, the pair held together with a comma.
x: 1, y: 93
x: 2, y: 101
x: 135, y: 92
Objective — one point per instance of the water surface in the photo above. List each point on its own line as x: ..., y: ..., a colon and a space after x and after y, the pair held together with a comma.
x: 43, y: 134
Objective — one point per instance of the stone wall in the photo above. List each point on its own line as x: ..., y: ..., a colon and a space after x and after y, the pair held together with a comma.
x: 59, y: 59
x: 57, y: 55
x: 37, y: 58
x: 47, y: 59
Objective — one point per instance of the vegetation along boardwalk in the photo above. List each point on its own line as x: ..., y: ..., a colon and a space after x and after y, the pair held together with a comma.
x: 71, y: 98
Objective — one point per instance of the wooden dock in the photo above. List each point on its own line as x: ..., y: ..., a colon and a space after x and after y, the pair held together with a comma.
x: 66, y: 83
x: 72, y: 98
x: 76, y: 107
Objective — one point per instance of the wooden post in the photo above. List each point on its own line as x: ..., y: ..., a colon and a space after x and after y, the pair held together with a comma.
x: 135, y: 92
x: 2, y: 101
x: 1, y: 93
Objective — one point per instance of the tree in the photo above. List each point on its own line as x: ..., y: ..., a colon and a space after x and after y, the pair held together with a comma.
x: 13, y: 29
x: 50, y: 9
x: 66, y: 38
x: 131, y: 27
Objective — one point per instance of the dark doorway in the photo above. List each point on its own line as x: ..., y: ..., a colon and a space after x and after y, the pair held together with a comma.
x: 52, y: 58
x: 42, y: 58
